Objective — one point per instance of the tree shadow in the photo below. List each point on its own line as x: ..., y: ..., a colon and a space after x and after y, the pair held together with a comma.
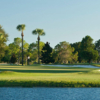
x: 45, y: 71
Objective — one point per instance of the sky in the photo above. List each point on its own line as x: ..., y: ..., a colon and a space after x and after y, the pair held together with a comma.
x: 62, y: 20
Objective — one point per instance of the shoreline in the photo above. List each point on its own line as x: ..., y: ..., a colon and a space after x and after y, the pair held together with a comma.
x: 12, y: 83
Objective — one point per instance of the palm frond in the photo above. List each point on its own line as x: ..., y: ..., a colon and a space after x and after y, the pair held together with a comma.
x: 38, y: 31
x: 34, y: 32
x: 43, y: 33
x: 21, y: 27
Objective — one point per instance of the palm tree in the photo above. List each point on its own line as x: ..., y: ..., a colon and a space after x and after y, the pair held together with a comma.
x: 21, y: 28
x: 39, y: 32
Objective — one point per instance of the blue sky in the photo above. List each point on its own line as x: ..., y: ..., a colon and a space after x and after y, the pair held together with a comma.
x: 62, y: 20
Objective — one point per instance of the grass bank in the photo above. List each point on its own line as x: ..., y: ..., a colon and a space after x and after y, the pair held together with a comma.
x: 46, y: 76
x: 97, y: 65
x: 94, y: 64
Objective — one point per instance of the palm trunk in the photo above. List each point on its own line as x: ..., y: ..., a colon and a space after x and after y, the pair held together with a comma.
x: 38, y: 50
x: 22, y: 47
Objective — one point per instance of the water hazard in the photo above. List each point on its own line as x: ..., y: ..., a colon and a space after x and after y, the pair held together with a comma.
x: 49, y: 93
x: 83, y: 66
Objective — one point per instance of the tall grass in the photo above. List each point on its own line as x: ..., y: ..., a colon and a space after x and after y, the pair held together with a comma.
x: 16, y: 83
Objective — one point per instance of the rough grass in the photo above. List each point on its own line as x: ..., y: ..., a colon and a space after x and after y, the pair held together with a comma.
x: 46, y: 76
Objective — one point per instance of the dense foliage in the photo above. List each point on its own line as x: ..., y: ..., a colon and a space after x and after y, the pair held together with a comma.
x: 77, y: 48
x: 13, y: 59
x: 46, y: 54
x: 83, y: 51
x: 3, y: 40
x: 64, y: 53
x: 88, y: 51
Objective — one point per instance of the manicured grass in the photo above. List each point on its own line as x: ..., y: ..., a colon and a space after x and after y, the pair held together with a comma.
x: 46, y: 76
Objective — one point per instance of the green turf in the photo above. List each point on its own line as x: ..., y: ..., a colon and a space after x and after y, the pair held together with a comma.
x: 46, y: 76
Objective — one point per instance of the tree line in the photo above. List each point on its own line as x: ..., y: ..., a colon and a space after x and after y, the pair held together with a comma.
x: 63, y: 53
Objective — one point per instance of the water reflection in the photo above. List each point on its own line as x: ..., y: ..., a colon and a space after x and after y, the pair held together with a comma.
x: 49, y: 93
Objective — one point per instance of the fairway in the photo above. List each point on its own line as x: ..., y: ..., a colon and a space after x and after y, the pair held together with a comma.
x: 48, y: 76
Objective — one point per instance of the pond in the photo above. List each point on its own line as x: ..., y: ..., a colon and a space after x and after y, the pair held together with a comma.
x: 7, y: 93
x: 84, y: 66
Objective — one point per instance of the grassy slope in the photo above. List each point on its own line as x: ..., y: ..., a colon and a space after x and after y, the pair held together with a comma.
x: 48, y: 76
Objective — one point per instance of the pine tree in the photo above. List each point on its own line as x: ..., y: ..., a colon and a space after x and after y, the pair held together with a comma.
x: 46, y: 54
x: 13, y: 59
